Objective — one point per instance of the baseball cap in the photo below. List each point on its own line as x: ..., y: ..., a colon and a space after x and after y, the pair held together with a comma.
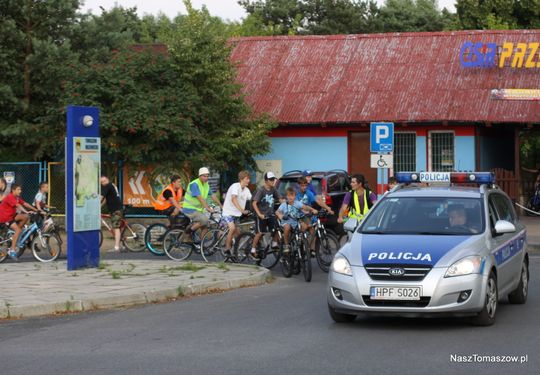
x: 203, y: 170
x: 307, y: 172
x: 269, y: 175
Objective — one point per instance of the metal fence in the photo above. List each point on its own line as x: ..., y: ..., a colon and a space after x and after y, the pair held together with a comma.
x: 26, y: 174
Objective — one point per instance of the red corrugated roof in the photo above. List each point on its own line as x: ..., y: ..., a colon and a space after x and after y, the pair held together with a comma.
x: 403, y: 77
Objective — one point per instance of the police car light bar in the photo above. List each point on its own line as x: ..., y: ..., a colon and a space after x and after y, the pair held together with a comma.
x: 446, y: 177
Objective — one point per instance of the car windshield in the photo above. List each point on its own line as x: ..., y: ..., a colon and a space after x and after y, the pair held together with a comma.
x: 284, y: 183
x: 425, y: 215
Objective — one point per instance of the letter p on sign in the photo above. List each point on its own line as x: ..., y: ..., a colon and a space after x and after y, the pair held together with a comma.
x: 382, y: 137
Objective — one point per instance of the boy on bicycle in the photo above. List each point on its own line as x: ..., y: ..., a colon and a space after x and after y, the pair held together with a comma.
x: 9, y: 207
x: 290, y: 213
x: 263, y: 205
x: 235, y: 206
x: 40, y: 200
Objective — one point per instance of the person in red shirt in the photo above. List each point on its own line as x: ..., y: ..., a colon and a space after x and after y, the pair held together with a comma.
x: 8, y: 214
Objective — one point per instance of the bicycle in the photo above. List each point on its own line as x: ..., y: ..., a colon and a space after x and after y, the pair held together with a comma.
x: 131, y: 235
x: 46, y: 247
x: 154, y: 235
x: 298, y: 259
x: 178, y: 245
x: 326, y: 245
x: 214, y: 244
x: 266, y: 255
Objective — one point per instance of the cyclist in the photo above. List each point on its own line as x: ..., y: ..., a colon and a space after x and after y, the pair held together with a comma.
x: 9, y: 207
x: 263, y: 204
x: 309, y: 177
x: 168, y: 202
x: 110, y: 196
x: 234, y: 207
x: 195, y: 203
x: 40, y: 200
x: 305, y: 196
x: 291, y: 213
x: 358, y: 201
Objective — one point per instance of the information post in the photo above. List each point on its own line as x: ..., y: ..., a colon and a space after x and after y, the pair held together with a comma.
x: 83, y: 208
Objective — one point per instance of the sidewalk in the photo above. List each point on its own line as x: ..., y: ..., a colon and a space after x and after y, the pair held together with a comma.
x: 34, y: 289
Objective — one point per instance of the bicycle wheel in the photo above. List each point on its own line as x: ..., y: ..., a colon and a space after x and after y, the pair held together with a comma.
x: 133, y: 237
x: 242, y: 248
x: 153, y: 238
x: 297, y: 263
x: 305, y: 260
x: 46, y: 248
x: 269, y: 256
x: 213, y: 245
x: 174, y: 246
x: 326, y: 249
x: 287, y: 264
x: 4, y: 246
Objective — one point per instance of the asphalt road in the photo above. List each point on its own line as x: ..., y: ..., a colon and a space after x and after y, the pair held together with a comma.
x: 280, y: 328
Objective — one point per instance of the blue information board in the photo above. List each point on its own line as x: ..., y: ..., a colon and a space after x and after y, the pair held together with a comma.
x: 382, y: 137
x: 83, y: 160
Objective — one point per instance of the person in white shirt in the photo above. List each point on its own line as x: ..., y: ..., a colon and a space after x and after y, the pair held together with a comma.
x: 235, y: 206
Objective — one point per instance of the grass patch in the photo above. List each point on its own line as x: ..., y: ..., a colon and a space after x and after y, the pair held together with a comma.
x: 103, y: 265
x: 222, y: 266
x: 189, y: 266
x: 116, y: 274
x: 180, y: 291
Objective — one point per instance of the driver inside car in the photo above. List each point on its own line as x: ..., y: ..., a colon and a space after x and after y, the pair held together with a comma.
x: 457, y: 218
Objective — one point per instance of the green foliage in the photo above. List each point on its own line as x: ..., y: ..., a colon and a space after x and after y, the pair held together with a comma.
x: 498, y: 14
x: 410, y: 15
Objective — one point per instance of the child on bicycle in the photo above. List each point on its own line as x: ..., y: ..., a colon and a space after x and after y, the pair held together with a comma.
x: 9, y: 207
x: 40, y: 200
x: 290, y: 214
x: 235, y: 206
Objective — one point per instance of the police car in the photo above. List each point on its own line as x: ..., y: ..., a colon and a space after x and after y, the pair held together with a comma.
x: 433, y: 250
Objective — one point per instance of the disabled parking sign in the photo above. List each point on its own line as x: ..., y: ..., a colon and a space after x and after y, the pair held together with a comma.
x: 382, y: 137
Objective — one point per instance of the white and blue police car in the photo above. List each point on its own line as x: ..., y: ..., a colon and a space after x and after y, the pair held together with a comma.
x: 433, y: 249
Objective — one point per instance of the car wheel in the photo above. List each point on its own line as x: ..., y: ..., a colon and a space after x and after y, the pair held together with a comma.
x: 339, y: 317
x: 486, y: 317
x: 519, y: 296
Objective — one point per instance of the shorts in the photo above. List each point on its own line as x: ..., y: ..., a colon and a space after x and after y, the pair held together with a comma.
x: 292, y: 223
x: 198, y: 217
x: 226, y: 220
x: 264, y: 225
x: 116, y: 219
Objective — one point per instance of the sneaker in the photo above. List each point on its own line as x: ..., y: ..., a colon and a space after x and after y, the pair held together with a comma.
x: 227, y: 253
x: 12, y: 254
x: 312, y: 252
x: 253, y: 254
x: 286, y: 249
x: 114, y: 250
x: 275, y: 245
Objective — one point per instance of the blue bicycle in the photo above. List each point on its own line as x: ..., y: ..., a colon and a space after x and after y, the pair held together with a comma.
x: 45, y: 244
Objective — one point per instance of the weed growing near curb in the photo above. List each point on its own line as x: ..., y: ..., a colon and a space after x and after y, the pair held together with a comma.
x: 180, y: 290
x: 222, y: 266
x: 116, y: 274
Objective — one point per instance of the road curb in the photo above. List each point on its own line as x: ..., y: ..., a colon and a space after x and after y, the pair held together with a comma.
x: 259, y: 277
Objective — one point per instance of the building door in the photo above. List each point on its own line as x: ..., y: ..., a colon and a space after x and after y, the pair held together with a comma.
x: 359, y: 157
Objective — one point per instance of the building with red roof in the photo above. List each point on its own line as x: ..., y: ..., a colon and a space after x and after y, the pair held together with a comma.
x: 458, y: 99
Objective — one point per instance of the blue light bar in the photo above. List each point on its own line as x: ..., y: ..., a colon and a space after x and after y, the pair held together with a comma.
x: 446, y: 177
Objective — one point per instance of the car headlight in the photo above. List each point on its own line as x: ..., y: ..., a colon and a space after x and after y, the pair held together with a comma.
x: 465, y: 266
x: 341, y: 265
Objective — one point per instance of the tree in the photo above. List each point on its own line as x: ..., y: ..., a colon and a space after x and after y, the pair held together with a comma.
x: 34, y: 49
x: 167, y: 107
x: 410, y: 15
x: 282, y: 17
x: 498, y: 14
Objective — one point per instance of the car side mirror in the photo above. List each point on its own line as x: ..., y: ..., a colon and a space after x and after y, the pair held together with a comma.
x: 503, y: 226
x: 350, y: 225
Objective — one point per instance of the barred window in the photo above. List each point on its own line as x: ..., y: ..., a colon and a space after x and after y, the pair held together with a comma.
x: 404, y: 152
x: 441, y: 151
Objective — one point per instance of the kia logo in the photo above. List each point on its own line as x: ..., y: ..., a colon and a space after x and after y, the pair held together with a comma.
x: 396, y: 271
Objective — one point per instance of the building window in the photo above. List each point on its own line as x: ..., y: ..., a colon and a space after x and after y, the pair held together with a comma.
x: 404, y: 152
x: 441, y: 150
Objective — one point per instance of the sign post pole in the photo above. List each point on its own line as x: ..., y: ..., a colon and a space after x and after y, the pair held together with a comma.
x: 382, y: 144
x: 83, y: 200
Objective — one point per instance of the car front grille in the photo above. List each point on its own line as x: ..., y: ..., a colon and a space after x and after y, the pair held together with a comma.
x: 413, y: 272
x: 422, y: 302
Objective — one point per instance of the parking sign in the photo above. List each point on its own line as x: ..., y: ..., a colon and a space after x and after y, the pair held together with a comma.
x: 382, y: 137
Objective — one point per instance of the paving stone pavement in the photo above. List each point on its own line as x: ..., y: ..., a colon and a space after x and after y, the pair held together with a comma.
x: 34, y: 289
